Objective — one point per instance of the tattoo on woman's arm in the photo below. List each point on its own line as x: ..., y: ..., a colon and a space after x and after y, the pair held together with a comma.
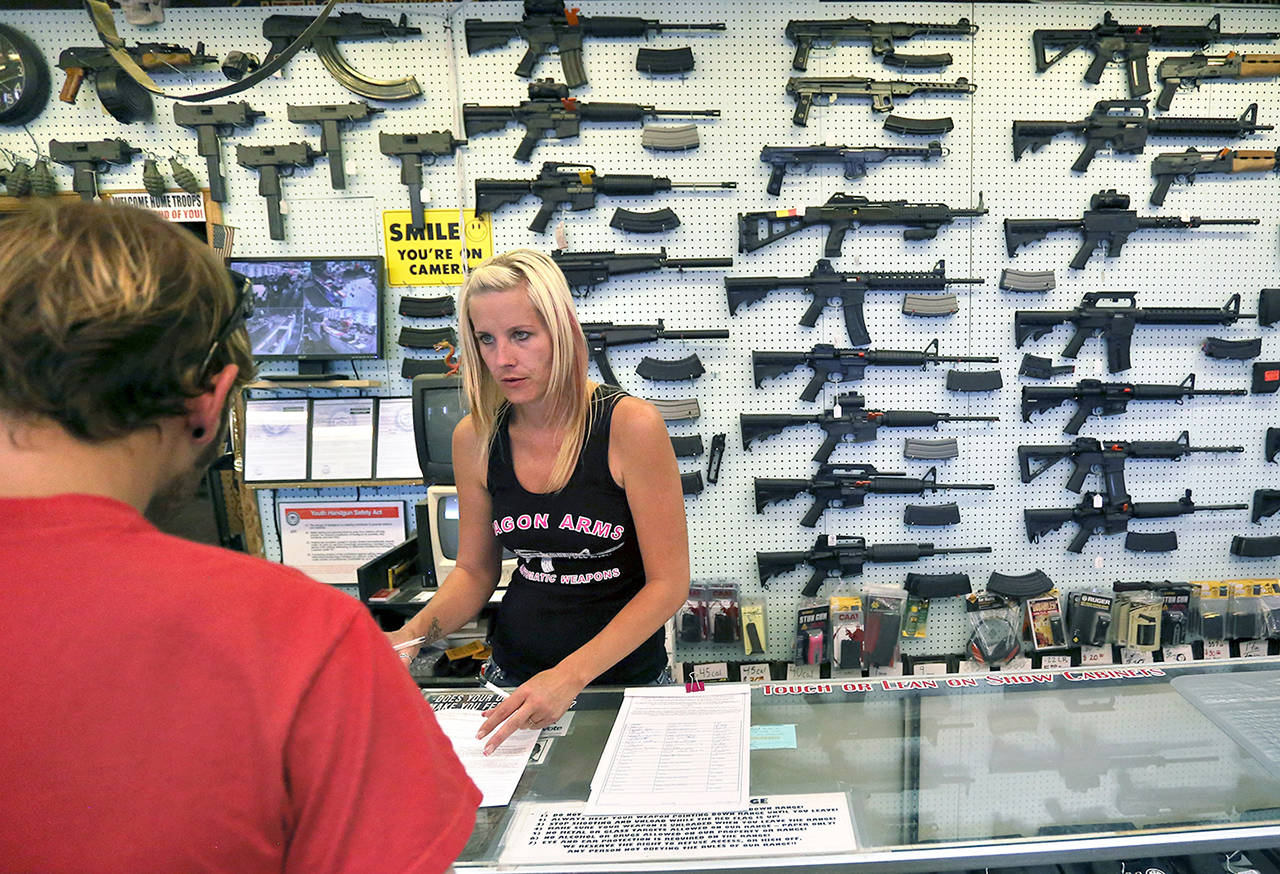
x: 434, y: 633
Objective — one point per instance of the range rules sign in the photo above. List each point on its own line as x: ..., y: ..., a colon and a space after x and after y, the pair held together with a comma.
x: 434, y: 254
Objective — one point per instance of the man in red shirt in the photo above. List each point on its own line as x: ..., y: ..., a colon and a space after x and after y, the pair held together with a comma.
x: 169, y: 706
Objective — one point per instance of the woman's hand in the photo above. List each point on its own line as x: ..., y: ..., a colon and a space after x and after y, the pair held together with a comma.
x: 401, y: 636
x: 535, y: 704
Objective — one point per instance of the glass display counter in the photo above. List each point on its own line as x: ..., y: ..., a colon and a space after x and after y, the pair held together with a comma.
x: 962, y: 771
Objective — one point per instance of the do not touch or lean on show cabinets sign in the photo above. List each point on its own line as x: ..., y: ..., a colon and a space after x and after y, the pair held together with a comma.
x: 328, y: 540
x: 433, y: 255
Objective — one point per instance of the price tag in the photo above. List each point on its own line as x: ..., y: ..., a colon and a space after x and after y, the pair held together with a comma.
x: 1095, y: 655
x: 969, y: 666
x: 1217, y: 649
x: 1178, y: 653
x: 711, y: 671
x: 933, y: 669
x: 754, y: 673
x: 1055, y: 662
x: 804, y: 672
x: 1131, y: 656
x: 1019, y: 663
x: 1252, y: 649
x: 893, y: 670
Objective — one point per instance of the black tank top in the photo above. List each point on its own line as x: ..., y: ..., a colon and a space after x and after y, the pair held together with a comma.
x: 578, y: 560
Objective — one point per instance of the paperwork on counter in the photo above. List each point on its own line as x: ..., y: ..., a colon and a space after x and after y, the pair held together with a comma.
x: 496, y: 774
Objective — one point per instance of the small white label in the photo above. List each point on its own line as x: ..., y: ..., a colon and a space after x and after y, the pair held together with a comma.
x: 284, y: 206
x: 893, y: 670
x: 970, y: 666
x: 929, y: 668
x: 804, y: 672
x: 1180, y: 653
x: 711, y: 671
x: 562, y: 241
x: 1252, y: 649
x: 1217, y: 649
x: 1019, y: 663
x: 1097, y: 562
x: 754, y: 673
x: 1131, y: 656
x: 1055, y: 662
x: 1095, y: 655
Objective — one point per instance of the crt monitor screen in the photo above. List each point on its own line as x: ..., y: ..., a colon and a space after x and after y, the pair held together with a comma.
x: 314, y: 308
x: 438, y: 405
x: 442, y: 502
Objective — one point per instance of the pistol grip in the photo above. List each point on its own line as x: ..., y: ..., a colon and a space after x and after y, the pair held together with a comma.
x: 71, y: 84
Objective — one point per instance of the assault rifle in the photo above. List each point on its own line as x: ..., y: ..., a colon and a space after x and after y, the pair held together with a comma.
x: 283, y: 30
x: 1179, y: 70
x: 1187, y: 165
x: 848, y: 420
x: 844, y: 556
x: 120, y: 95
x: 880, y: 34
x: 1111, y: 41
x: 849, y: 290
x: 855, y: 159
x: 881, y: 93
x: 576, y: 186
x: 847, y: 485
x: 1125, y: 125
x: 546, y: 23
x: 550, y: 108
x: 1094, y: 397
x: 830, y: 364
x: 601, y: 336
x: 842, y: 212
x: 1099, y: 514
x: 589, y: 269
x: 1115, y: 324
x: 1107, y: 220
x: 1088, y: 454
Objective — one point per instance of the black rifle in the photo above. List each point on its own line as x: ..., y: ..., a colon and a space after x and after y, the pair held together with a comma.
x: 1188, y: 70
x: 1115, y: 324
x: 830, y: 364
x: 1088, y: 454
x: 847, y: 485
x: 209, y: 121
x: 282, y: 30
x: 546, y: 23
x: 855, y: 159
x: 551, y: 109
x: 1131, y: 43
x: 120, y: 95
x: 842, y: 212
x: 332, y: 117
x: 844, y: 556
x: 601, y: 336
x: 1098, y: 514
x: 1125, y: 125
x: 575, y: 186
x: 1187, y: 165
x: 849, y: 420
x: 88, y: 159
x: 1107, y: 220
x: 411, y: 149
x: 589, y: 269
x: 881, y: 93
x: 880, y: 34
x: 1094, y: 397
x: 848, y: 290
x: 270, y: 161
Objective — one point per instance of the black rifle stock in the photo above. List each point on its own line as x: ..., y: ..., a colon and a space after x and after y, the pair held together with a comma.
x: 1187, y: 165
x: 411, y: 149
x: 1189, y: 70
x: 845, y: 556
x: 880, y: 34
x: 270, y: 161
x: 589, y: 269
x: 1088, y: 454
x: 209, y: 121
x: 282, y: 30
x: 601, y: 336
x: 1094, y: 397
x: 854, y: 159
x: 1097, y: 514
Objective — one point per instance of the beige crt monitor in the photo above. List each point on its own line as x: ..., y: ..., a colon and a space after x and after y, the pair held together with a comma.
x: 442, y: 510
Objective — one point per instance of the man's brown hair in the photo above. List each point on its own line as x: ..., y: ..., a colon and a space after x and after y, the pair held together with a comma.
x: 106, y: 314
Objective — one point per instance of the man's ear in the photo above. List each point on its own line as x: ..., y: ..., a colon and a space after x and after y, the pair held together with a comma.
x: 204, y: 413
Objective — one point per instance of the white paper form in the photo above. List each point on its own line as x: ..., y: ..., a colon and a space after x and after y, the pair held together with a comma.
x: 672, y: 750
x: 496, y: 774
x: 275, y: 440
x: 342, y: 439
x: 397, y: 456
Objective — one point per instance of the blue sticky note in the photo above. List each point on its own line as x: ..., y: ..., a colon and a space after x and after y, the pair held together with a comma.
x: 773, y: 737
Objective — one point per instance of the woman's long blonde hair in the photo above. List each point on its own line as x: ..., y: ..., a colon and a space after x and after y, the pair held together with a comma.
x: 540, y: 277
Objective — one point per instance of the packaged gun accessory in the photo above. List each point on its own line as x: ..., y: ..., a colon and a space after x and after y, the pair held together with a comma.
x: 1045, y: 623
x: 664, y: 61
x: 930, y: 450
x: 644, y: 222
x: 1039, y: 367
x: 883, y: 610
x: 929, y: 305
x: 974, y: 380
x: 811, y: 630
x: 1215, y: 604
x: 1027, y: 280
x: 1089, y: 618
x: 753, y: 626
x: 1266, y: 377
x: 994, y: 639
x: 1232, y: 350
x: 846, y: 631
x: 1244, y: 619
x: 693, y: 624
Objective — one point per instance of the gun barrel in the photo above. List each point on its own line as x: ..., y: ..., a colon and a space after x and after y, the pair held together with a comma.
x: 961, y: 550
x: 682, y: 263
x: 713, y: 334
x: 723, y: 185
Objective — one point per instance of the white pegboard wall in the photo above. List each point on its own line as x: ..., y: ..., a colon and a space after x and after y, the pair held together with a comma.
x: 742, y: 72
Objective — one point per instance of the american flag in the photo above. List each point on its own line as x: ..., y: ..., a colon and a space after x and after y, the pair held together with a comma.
x: 222, y: 236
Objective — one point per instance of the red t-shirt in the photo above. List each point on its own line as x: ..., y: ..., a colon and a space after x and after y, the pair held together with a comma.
x: 168, y: 706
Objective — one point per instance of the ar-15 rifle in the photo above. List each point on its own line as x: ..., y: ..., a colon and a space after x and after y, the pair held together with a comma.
x: 1125, y: 125
x: 1179, y: 70
x: 411, y: 149
x: 855, y: 159
x: 574, y: 185
x: 881, y: 34
x: 551, y: 109
x: 1088, y: 454
x: 881, y: 93
x: 844, y: 556
x: 601, y: 336
x: 1187, y: 165
x: 848, y: 290
x: 87, y: 159
x: 830, y: 364
x: 1107, y: 220
x: 589, y: 269
x: 270, y: 161
x: 120, y: 95
x: 1109, y: 515
x: 1131, y: 43
x: 282, y: 30
x: 847, y: 485
x: 842, y: 212
x: 847, y: 420
x: 1094, y: 397
x: 1115, y: 324
x: 547, y: 23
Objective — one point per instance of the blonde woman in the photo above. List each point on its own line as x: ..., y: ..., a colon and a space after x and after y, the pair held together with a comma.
x: 579, y: 480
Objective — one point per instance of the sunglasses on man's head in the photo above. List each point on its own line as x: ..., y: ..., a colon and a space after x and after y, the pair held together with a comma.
x: 241, y: 312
